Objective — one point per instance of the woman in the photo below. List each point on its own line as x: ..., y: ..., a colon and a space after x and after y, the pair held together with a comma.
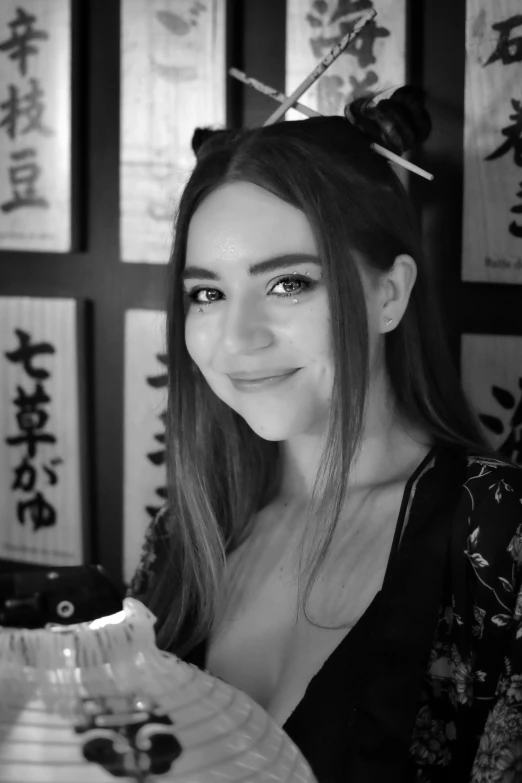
x: 339, y: 542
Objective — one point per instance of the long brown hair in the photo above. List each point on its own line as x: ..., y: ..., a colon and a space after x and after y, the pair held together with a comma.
x: 220, y: 473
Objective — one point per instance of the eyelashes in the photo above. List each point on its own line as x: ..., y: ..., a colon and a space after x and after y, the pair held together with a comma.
x: 306, y: 284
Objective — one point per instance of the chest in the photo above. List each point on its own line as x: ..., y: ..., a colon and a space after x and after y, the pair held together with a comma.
x: 261, y: 641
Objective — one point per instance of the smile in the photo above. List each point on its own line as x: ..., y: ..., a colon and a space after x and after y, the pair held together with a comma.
x: 259, y: 384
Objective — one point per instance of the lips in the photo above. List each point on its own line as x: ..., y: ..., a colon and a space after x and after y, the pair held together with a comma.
x: 251, y: 377
x: 260, y: 384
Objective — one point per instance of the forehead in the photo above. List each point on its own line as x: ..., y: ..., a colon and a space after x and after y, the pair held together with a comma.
x: 243, y: 221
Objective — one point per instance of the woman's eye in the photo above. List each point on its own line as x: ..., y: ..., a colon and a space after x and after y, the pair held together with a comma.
x: 291, y: 285
x: 210, y: 293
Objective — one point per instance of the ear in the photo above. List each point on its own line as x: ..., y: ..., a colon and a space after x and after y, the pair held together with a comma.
x: 397, y: 286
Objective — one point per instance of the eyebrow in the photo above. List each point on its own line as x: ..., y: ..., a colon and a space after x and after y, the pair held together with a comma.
x: 260, y: 268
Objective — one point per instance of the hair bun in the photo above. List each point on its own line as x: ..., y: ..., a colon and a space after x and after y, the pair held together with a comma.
x: 211, y: 139
x: 398, y: 122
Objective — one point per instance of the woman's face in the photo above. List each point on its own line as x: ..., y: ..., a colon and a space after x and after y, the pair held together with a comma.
x: 249, y: 256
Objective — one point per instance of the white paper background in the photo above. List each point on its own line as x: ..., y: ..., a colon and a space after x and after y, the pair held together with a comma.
x: 144, y: 339
x: 389, y: 52
x: 490, y: 252
x: 487, y: 361
x: 173, y: 80
x: 36, y: 228
x: 52, y: 321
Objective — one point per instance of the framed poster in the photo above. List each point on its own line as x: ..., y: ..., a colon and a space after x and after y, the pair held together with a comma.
x: 491, y: 372
x: 492, y: 223
x: 40, y: 473
x: 173, y: 80
x: 35, y: 125
x: 375, y: 60
x: 144, y: 428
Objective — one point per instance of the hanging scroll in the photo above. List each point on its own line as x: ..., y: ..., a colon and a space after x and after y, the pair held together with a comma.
x: 40, y: 486
x: 144, y: 426
x: 491, y: 371
x: 173, y: 80
x: 492, y: 228
x: 35, y: 125
x: 375, y: 60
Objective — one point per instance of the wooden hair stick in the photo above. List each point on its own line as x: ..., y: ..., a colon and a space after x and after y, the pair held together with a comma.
x: 281, y: 98
x: 321, y: 67
x: 271, y: 92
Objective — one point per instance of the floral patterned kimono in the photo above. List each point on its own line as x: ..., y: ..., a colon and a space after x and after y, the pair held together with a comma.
x: 473, y: 684
x: 467, y: 703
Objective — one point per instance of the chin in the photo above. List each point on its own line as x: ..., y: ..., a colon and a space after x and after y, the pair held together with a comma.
x: 273, y: 418
x: 270, y: 433
x: 277, y: 427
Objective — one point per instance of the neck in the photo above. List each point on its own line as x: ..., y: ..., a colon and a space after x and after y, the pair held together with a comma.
x: 388, y: 446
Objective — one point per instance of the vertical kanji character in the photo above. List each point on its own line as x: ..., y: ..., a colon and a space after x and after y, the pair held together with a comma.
x: 52, y: 474
x: 25, y: 476
x: 31, y: 420
x: 29, y: 107
x: 513, y: 135
x: 26, y: 352
x: 22, y: 177
x: 38, y: 510
x: 22, y: 35
x: 508, y: 50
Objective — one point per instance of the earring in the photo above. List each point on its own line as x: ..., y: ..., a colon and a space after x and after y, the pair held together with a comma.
x: 387, y: 321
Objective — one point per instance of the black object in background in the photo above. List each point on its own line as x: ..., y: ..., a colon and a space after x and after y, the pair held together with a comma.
x: 65, y: 595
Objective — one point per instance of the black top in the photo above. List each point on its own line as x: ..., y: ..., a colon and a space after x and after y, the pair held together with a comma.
x: 466, y: 704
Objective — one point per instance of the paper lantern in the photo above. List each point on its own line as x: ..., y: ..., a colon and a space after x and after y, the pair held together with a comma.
x: 97, y: 700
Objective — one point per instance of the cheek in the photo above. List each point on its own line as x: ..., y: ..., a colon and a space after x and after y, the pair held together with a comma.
x: 306, y: 337
x: 313, y: 334
x: 197, y: 341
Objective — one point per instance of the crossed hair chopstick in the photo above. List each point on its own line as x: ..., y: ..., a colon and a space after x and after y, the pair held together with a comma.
x: 292, y: 101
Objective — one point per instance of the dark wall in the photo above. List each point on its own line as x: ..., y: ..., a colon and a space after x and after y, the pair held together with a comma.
x: 93, y: 273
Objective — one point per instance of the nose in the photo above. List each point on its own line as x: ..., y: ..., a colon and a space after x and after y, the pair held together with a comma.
x: 244, y: 328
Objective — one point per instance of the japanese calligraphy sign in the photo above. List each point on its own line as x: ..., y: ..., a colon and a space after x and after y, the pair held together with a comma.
x: 375, y: 60
x: 491, y: 371
x: 145, y: 404
x: 492, y: 229
x: 173, y: 80
x: 35, y: 125
x: 40, y: 486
